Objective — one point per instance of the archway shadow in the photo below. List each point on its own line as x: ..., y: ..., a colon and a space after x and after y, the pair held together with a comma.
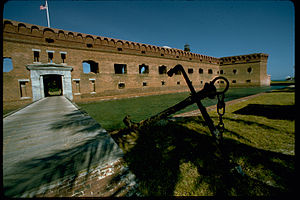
x: 161, y: 149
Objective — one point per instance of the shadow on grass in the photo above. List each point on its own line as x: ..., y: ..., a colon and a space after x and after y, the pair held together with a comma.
x: 91, y: 147
x: 161, y: 149
x: 284, y: 112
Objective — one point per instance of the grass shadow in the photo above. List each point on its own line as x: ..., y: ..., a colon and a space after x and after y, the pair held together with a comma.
x: 160, y: 151
x: 283, y: 112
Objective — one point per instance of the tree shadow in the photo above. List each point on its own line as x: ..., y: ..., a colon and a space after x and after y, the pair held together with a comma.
x: 92, y: 147
x: 284, y: 112
x: 162, y: 148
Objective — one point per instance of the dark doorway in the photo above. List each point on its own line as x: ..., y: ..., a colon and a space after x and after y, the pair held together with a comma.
x: 52, y: 85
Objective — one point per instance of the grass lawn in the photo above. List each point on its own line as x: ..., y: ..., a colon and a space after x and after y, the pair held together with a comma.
x: 110, y: 114
x: 178, y: 156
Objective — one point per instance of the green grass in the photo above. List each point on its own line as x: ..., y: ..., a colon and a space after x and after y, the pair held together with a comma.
x: 110, y: 114
x: 178, y: 156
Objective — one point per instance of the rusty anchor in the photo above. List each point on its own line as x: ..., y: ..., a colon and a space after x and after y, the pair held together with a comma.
x: 209, y: 90
x: 215, y: 132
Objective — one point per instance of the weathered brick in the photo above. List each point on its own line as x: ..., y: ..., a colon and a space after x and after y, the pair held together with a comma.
x: 18, y: 44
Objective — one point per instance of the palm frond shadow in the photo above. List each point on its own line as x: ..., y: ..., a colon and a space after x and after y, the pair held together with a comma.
x: 92, y: 147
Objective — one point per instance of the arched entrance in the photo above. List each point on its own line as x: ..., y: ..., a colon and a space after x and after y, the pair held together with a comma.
x: 58, y: 73
x: 52, y: 85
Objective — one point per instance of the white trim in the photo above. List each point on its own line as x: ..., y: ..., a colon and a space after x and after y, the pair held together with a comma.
x: 76, y: 79
x: 50, y: 51
x: 77, y: 93
x: 92, y: 79
x: 36, y: 50
x: 23, y: 80
x: 63, y: 52
x: 93, y: 93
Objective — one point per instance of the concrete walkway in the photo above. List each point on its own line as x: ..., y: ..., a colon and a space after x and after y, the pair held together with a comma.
x: 50, y: 140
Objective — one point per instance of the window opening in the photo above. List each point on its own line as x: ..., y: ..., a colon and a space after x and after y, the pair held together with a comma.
x: 143, y: 69
x: 93, y: 86
x: 50, y: 57
x: 221, y: 71
x: 190, y: 70
x: 200, y: 71
x: 77, y: 87
x: 89, y: 45
x: 210, y: 71
x: 233, y: 81
x: 23, y: 91
x: 163, y: 83
x: 90, y: 66
x: 143, y: 52
x: 7, y: 64
x: 145, y: 84
x: 121, y: 85
x: 63, y: 57
x: 248, y: 81
x: 120, y: 49
x: 178, y: 82
x: 49, y: 40
x: 234, y: 71
x: 120, y: 68
x: 162, y: 54
x: 162, y: 69
x: 36, y: 56
x: 249, y: 70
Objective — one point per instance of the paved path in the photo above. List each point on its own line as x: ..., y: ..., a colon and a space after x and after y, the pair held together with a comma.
x: 214, y: 107
x: 51, y: 139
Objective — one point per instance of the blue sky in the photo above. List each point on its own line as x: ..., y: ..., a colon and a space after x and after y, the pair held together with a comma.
x: 213, y: 28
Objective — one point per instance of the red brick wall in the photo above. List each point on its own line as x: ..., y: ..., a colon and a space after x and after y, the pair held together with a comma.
x: 20, y: 38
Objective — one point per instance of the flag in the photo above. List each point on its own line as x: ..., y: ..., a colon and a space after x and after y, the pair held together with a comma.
x: 43, y: 7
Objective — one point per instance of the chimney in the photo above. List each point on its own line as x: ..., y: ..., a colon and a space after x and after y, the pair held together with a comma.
x: 187, y: 47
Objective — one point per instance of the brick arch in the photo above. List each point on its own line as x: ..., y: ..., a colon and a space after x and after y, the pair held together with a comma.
x: 104, y: 41
x: 61, y: 34
x: 22, y: 28
x: 79, y: 37
x: 137, y: 46
x: 8, y: 25
x: 49, y: 33
x: 35, y: 30
x: 126, y: 45
x: 112, y: 42
x: 119, y: 44
x: 98, y: 40
x: 70, y: 36
x: 89, y: 39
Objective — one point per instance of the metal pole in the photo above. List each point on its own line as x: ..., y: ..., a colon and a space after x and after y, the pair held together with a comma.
x: 48, y: 20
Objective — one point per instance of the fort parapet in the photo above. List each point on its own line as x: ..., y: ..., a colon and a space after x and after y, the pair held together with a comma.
x: 88, y: 67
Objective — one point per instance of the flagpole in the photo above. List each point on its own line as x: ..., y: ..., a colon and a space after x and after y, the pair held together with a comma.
x: 48, y: 20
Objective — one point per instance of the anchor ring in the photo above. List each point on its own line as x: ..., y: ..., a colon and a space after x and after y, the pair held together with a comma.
x: 225, y: 79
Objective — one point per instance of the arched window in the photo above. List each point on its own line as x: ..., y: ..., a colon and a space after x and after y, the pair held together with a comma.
x: 221, y: 71
x: 90, y: 66
x: 234, y: 71
x: 143, y: 69
x: 210, y: 71
x: 7, y: 65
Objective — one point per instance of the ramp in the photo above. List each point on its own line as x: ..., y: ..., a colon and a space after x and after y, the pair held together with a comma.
x: 52, y: 149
